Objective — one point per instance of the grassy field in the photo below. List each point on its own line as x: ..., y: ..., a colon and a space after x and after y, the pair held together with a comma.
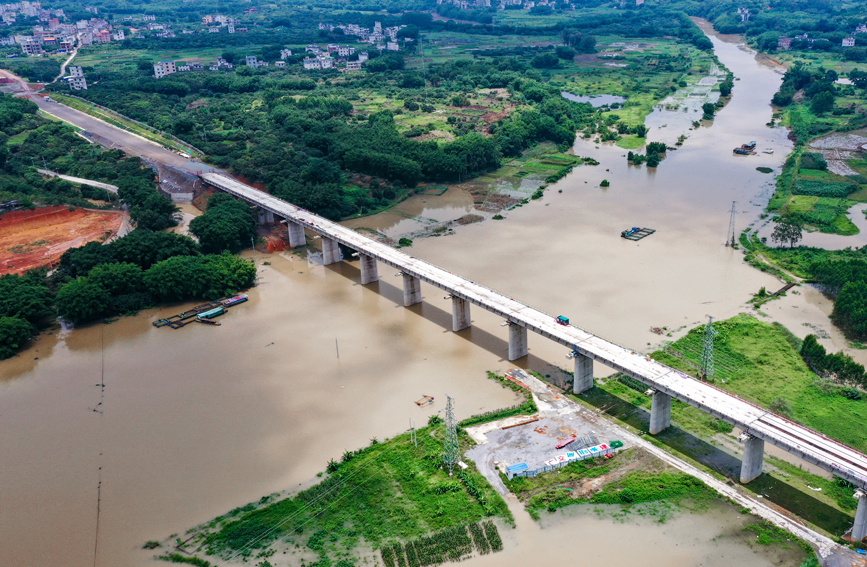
x: 386, y: 494
x: 759, y: 362
x: 824, y: 59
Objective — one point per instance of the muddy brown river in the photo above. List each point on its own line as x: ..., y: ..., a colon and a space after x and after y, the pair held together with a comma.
x: 193, y: 422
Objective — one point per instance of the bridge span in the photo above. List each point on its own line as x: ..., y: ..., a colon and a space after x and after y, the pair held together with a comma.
x: 758, y: 424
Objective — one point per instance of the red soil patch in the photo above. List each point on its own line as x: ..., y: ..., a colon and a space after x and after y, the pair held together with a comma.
x: 29, y: 239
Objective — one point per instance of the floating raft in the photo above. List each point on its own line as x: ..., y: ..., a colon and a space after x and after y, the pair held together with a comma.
x: 637, y: 233
x: 200, y: 313
x: 425, y: 401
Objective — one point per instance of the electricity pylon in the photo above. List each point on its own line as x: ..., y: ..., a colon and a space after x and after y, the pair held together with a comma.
x: 450, y: 447
x: 707, y: 370
x: 730, y: 238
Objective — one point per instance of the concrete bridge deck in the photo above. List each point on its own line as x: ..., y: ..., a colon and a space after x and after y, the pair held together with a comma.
x: 760, y: 424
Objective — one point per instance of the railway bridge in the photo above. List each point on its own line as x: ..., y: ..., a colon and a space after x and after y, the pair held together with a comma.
x: 758, y: 424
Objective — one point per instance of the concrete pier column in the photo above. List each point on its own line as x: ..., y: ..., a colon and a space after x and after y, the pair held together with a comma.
x: 263, y: 215
x: 369, y: 270
x: 754, y: 455
x: 460, y: 314
x: 517, y: 341
x: 859, y: 530
x: 269, y: 217
x: 660, y: 412
x: 296, y: 234
x: 411, y: 290
x: 330, y: 251
x: 583, y: 380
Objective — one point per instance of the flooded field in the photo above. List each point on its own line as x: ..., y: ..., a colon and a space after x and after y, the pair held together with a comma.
x: 136, y: 433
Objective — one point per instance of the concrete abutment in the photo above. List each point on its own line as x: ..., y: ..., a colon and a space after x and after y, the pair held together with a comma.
x: 517, y: 341
x: 460, y: 314
x: 660, y: 413
x: 411, y: 290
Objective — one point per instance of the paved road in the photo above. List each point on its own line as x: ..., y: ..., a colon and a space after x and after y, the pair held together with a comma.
x: 125, y: 141
x: 80, y: 180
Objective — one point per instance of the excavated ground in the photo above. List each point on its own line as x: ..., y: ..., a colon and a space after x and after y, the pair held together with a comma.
x: 38, y: 237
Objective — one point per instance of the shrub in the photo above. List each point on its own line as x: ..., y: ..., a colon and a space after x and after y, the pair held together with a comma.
x: 813, y: 160
x: 818, y: 188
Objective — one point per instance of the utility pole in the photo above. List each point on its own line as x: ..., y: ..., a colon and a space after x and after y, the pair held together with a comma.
x: 450, y: 449
x: 730, y: 238
x: 706, y: 371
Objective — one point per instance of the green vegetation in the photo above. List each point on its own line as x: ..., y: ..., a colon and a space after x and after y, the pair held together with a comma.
x: 528, y: 407
x: 842, y: 274
x: 450, y: 544
x: 808, y: 196
x: 391, y: 495
x: 638, y: 487
x: 28, y: 141
x: 227, y: 224
x: 759, y: 362
x: 622, y: 484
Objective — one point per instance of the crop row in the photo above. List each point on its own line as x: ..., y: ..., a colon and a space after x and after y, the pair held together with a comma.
x: 450, y: 544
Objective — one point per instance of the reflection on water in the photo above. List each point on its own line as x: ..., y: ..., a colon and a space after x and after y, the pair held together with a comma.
x: 829, y: 241
x: 595, y: 100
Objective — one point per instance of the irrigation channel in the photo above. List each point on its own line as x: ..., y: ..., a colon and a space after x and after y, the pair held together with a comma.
x: 173, y: 428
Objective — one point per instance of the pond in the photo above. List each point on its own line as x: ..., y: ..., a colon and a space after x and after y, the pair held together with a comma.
x: 595, y: 100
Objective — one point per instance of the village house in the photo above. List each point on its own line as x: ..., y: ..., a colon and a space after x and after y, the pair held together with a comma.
x: 164, y: 69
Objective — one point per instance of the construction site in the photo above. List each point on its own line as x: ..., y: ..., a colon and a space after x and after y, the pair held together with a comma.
x: 39, y: 237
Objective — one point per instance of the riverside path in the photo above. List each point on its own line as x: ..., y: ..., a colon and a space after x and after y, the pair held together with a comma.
x: 758, y: 424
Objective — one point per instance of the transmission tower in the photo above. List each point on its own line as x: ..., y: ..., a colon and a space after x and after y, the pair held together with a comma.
x: 450, y: 448
x: 707, y: 371
x: 730, y: 239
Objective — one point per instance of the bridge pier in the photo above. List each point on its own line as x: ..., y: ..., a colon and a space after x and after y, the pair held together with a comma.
x: 754, y: 455
x: 411, y: 290
x: 660, y: 412
x: 296, y: 234
x: 517, y: 341
x: 460, y: 314
x: 859, y: 530
x: 369, y: 270
x: 265, y: 216
x: 583, y: 377
x: 330, y: 251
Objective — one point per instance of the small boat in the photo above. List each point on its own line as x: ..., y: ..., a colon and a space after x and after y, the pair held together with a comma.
x: 211, y: 313
x: 768, y: 151
x: 234, y: 300
x: 564, y: 443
